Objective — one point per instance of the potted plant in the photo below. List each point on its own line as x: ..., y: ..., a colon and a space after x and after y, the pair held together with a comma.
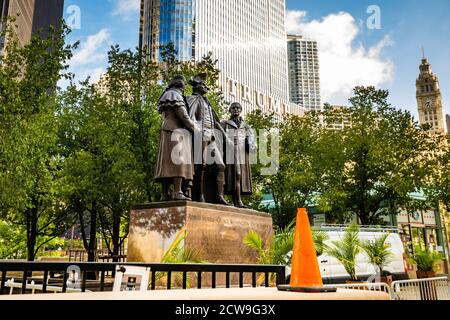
x: 179, y: 254
x: 319, y: 238
x: 279, y: 250
x: 379, y: 255
x: 346, y: 250
x: 426, y: 261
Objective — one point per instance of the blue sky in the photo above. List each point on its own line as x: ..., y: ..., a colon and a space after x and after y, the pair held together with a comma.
x: 351, y: 53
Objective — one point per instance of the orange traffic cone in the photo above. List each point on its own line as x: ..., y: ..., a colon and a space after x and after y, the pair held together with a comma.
x: 305, y: 275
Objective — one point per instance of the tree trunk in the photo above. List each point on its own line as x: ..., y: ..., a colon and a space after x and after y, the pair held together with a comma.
x: 82, y: 229
x: 92, y: 247
x: 89, y: 246
x: 31, y: 233
x: 364, y: 219
x: 116, y: 235
x: 92, y: 235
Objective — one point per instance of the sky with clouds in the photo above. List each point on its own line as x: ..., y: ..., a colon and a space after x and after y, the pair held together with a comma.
x: 351, y: 53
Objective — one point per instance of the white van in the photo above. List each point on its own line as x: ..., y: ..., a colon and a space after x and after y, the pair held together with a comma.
x: 333, y: 271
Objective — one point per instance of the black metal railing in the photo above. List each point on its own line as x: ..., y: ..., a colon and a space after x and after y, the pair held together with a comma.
x: 94, y: 275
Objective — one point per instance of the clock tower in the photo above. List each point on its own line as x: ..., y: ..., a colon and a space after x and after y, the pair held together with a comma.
x: 429, y: 99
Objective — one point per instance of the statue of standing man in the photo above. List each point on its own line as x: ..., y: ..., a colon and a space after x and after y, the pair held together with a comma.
x: 174, y: 165
x: 238, y: 180
x: 208, y: 143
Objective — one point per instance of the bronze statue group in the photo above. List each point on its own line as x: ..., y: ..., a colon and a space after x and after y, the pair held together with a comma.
x: 200, y: 157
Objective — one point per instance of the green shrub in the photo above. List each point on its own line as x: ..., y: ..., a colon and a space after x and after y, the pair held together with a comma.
x: 378, y: 252
x: 345, y: 251
x: 426, y: 260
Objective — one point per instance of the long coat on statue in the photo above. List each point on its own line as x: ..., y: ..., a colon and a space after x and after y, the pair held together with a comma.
x: 238, y: 162
x: 196, y: 105
x: 173, y: 105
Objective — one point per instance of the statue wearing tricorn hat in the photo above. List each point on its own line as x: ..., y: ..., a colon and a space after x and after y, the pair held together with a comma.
x: 208, y: 142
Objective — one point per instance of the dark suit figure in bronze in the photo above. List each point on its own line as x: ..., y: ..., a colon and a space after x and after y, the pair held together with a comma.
x: 175, y: 164
x: 238, y: 171
x: 208, y: 142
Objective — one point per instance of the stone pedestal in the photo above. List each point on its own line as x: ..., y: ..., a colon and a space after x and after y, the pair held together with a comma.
x: 214, y: 230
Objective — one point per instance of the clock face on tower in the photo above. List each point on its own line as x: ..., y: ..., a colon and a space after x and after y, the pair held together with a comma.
x: 429, y: 103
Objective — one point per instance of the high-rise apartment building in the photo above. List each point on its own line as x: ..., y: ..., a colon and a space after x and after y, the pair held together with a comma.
x: 338, y: 118
x: 429, y: 99
x: 102, y: 87
x: 304, y: 73
x: 31, y: 16
x: 248, y: 38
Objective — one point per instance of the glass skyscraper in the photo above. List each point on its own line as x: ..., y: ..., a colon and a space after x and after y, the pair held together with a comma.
x: 247, y: 37
x: 168, y: 21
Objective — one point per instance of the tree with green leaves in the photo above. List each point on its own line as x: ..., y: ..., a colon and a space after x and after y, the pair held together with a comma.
x: 83, y: 165
x: 102, y: 174
x: 132, y: 90
x: 368, y: 168
x: 29, y: 161
x: 382, y: 160
x: 13, y: 242
x: 304, y: 151
x: 261, y: 123
x: 438, y: 183
x: 303, y: 166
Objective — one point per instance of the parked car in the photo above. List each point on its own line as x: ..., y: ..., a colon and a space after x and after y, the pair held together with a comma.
x: 333, y: 271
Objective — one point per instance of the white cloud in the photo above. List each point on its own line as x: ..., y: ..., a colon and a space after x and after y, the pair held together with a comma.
x: 343, y: 65
x: 126, y: 8
x: 91, y: 59
x: 93, y: 50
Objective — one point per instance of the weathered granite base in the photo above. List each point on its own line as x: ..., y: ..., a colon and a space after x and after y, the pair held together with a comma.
x: 216, y: 231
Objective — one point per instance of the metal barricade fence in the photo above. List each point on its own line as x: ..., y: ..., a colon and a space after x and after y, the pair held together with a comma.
x: 382, y: 287
x: 421, y: 289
